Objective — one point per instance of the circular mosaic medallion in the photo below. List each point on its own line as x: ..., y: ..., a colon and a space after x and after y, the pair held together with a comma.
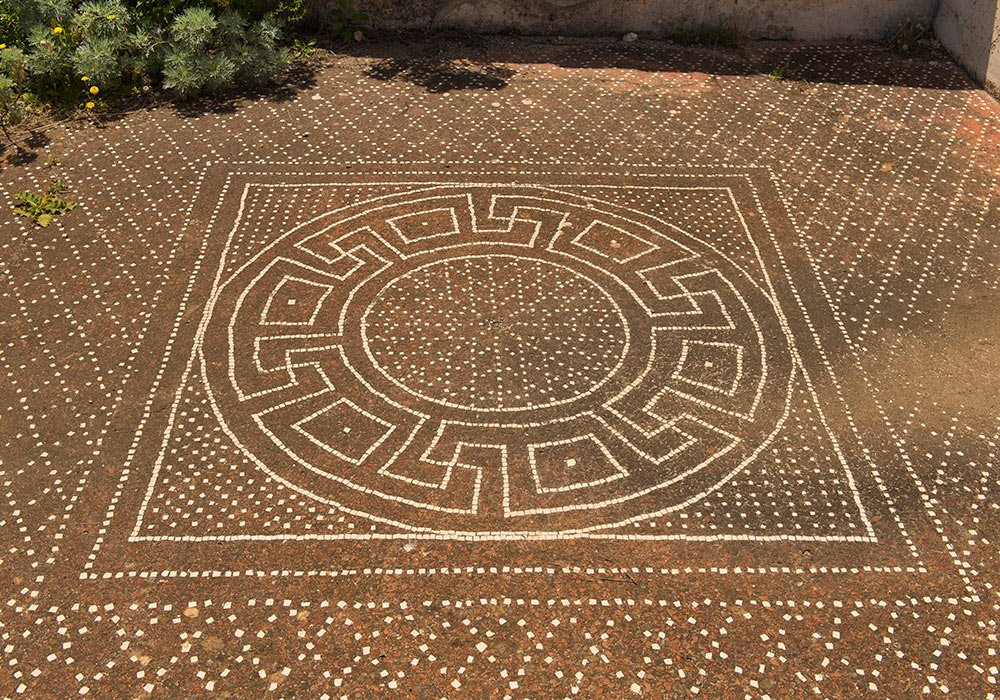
x: 495, y: 332
x: 496, y: 361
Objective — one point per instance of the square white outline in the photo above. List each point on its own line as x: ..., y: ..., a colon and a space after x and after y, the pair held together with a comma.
x: 321, y: 172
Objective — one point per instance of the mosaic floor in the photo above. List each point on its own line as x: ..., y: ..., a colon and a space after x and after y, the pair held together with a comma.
x: 512, y: 370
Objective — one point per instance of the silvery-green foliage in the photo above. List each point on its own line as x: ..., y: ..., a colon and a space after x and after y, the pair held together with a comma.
x: 146, y: 44
x: 262, y: 62
x: 90, y: 42
x: 193, y: 29
x: 11, y: 107
x: 72, y: 45
x: 262, y: 65
x: 219, y: 71
x: 34, y: 12
x: 105, y: 19
x: 102, y: 59
x: 48, y: 57
x: 180, y: 75
x: 14, y: 65
x: 206, y: 54
x: 13, y: 73
x: 102, y: 50
x: 231, y: 28
x: 267, y: 31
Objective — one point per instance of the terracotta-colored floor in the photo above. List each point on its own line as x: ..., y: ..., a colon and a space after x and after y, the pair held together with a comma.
x: 512, y: 369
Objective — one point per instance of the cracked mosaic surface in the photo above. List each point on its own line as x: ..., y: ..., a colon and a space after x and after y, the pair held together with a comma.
x: 570, y: 370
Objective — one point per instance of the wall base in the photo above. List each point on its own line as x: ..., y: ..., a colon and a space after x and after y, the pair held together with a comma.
x: 800, y: 19
x: 970, y: 31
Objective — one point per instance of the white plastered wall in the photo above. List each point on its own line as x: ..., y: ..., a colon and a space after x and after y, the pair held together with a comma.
x: 970, y: 31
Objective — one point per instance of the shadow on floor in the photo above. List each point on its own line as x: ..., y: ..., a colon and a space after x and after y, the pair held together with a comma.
x: 444, y: 62
x: 302, y: 76
x: 25, y: 150
x: 442, y: 75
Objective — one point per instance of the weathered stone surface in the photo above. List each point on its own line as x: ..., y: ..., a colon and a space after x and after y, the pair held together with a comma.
x: 502, y: 368
x: 804, y: 19
x: 970, y: 30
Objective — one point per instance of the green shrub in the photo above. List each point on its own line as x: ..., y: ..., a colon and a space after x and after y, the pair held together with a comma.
x: 87, y: 52
x: 75, y: 52
x: 10, y: 26
x: 163, y: 12
x: 13, y: 74
x: 206, y: 54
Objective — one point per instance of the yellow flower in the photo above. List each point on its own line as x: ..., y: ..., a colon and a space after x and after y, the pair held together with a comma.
x: 111, y: 16
x: 84, y: 78
x: 94, y: 90
x: 57, y: 30
x: 3, y: 46
x: 90, y: 105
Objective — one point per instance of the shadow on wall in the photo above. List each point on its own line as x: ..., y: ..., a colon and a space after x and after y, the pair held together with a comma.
x: 810, y: 19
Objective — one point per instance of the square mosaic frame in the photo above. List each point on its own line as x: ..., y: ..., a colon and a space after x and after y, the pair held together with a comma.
x: 884, y: 547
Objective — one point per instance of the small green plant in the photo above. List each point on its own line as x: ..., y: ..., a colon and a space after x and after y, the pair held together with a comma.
x: 43, y: 208
x: 910, y: 35
x: 303, y: 48
x: 347, y: 23
x: 686, y: 37
x: 723, y: 34
x: 782, y: 71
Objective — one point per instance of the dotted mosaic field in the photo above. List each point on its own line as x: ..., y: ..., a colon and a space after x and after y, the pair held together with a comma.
x: 147, y: 554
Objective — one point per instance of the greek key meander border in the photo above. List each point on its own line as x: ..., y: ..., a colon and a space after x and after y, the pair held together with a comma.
x: 322, y: 170
x: 502, y: 536
x: 426, y: 186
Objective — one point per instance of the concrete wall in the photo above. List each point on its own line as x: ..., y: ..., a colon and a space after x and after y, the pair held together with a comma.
x: 805, y: 19
x: 970, y: 30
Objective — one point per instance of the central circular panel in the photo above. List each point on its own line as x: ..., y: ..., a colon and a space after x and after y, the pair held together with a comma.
x: 495, y: 332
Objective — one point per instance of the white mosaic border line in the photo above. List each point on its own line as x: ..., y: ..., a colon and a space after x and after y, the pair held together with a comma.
x: 494, y: 172
x: 848, y: 602
x: 929, y: 504
x: 171, y: 339
x: 198, y: 176
x: 829, y: 367
x: 503, y: 571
